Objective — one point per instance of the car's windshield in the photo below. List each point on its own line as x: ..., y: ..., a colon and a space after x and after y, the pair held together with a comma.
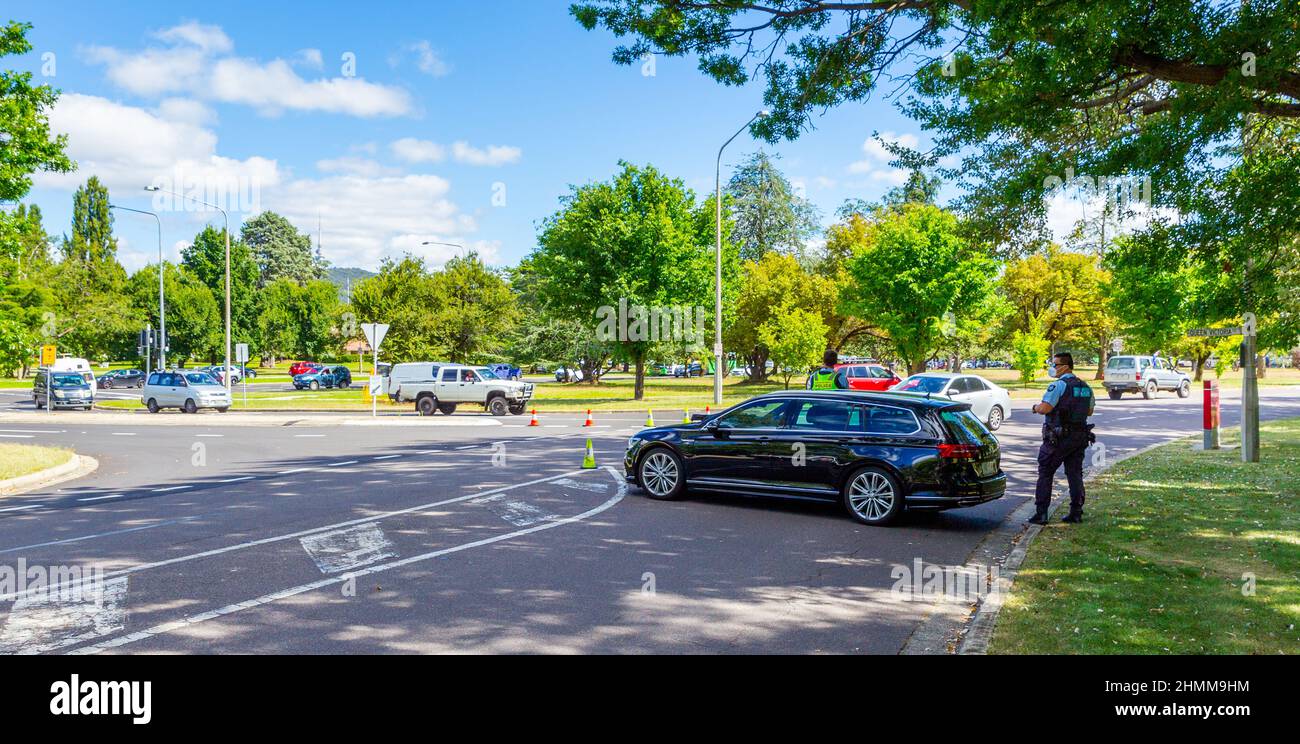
x: 201, y: 378
x: 67, y: 379
x: 486, y: 374
x: 923, y: 384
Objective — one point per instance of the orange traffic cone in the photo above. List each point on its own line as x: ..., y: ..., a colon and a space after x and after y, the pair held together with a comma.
x: 589, y: 421
x: 706, y: 410
x: 534, y: 421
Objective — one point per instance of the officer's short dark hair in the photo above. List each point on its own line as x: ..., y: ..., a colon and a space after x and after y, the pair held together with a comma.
x: 1066, y: 357
x: 830, y: 357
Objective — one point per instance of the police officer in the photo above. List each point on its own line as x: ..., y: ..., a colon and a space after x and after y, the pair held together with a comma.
x: 827, y: 377
x: 1067, y: 404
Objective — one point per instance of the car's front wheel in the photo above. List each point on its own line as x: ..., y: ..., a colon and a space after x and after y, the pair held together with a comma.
x: 1184, y: 389
x: 498, y: 406
x: 995, y: 418
x: 660, y: 474
x: 872, y: 496
x: 152, y: 405
x: 315, y: 385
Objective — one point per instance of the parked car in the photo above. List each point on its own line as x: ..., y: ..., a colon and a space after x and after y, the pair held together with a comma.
x: 62, y: 390
x: 298, y: 368
x: 219, y: 373
x: 457, y: 383
x: 989, y: 402
x: 1144, y: 374
x: 121, y: 378
x: 876, y: 453
x: 869, y: 376
x: 324, y: 377
x: 506, y: 371
x: 694, y: 369
x: 568, y: 374
x: 188, y: 390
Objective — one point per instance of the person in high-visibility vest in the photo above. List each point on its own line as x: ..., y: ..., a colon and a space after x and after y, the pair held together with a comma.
x: 827, y: 377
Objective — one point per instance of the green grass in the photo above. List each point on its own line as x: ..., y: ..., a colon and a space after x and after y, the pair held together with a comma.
x: 20, y: 459
x: 1158, y: 566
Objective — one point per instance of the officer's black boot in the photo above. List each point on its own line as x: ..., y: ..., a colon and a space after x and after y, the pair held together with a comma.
x: 1074, y: 517
x: 1040, y: 517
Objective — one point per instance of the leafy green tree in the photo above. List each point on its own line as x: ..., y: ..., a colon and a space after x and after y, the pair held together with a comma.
x: 206, y: 259
x: 280, y: 250
x: 25, y: 252
x: 278, y: 325
x: 1029, y: 349
x: 478, y: 309
x: 194, y: 320
x: 1064, y: 291
x: 796, y: 339
x: 912, y: 270
x: 638, y: 241
x: 771, y: 286
x: 768, y: 214
x: 404, y: 295
x: 16, y: 346
x: 24, y: 120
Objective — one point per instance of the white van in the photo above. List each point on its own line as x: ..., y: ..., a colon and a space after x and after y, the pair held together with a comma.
x: 410, y: 372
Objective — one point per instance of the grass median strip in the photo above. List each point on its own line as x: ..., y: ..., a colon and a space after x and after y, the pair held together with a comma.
x: 1183, y: 552
x: 17, y: 460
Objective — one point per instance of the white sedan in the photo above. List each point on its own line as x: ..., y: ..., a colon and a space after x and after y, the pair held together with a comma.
x: 989, y: 402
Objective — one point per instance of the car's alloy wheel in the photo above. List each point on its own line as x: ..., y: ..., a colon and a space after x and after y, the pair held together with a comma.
x: 661, y: 475
x: 1184, y: 389
x: 995, y: 418
x: 1149, y: 391
x: 498, y: 407
x: 190, y: 406
x: 872, y: 497
x: 315, y: 385
x: 152, y: 405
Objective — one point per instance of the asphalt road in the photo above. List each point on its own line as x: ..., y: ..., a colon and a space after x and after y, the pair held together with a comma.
x: 483, y: 536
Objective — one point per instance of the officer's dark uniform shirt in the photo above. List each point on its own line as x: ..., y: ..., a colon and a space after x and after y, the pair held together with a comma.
x: 1077, y: 407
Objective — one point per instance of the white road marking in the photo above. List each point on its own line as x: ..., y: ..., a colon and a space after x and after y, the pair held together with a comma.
x: 19, y: 508
x: 123, y: 434
x: 296, y: 470
x: 341, y: 464
x: 209, y: 435
x: 313, y: 531
x: 236, y: 480
x: 34, y: 431
x: 387, y: 457
x: 170, y: 488
x: 101, y: 498
x: 308, y: 436
x: 518, y: 513
x: 16, y: 436
x: 468, y: 446
x: 72, y: 614
x: 349, y: 549
x: 265, y: 599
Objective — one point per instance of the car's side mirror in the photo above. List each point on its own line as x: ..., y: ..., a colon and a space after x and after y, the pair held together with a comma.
x: 713, y: 428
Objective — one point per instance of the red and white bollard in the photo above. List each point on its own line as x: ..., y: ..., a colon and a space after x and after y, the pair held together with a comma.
x: 1210, y: 417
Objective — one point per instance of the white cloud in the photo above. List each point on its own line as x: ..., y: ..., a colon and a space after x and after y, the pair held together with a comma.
x: 130, y: 148
x: 197, y: 63
x: 492, y: 155
x: 186, y: 111
x: 875, y: 166
x: 429, y: 62
x: 311, y: 58
x: 352, y: 165
x: 414, y: 150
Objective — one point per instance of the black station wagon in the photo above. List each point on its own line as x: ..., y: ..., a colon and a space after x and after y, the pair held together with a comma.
x: 878, y: 453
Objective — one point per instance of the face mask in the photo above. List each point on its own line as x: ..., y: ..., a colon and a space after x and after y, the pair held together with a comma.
x: 1051, y: 370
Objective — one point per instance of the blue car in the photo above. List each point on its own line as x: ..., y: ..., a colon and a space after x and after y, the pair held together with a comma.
x: 324, y: 377
x: 506, y: 371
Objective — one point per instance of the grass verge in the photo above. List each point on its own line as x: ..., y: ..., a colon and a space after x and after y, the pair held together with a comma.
x: 1184, y: 552
x: 21, y: 459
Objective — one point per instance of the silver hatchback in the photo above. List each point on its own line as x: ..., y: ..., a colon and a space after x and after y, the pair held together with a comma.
x: 188, y: 391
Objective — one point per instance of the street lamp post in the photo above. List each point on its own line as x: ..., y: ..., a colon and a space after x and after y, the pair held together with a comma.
x: 162, y: 303
x: 717, y: 276
x: 225, y: 376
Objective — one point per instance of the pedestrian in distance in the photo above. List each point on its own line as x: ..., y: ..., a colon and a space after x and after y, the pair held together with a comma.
x: 827, y: 377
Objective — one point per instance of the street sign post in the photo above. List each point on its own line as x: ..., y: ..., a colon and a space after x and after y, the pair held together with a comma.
x: 1249, y: 383
x: 49, y: 353
x: 375, y: 333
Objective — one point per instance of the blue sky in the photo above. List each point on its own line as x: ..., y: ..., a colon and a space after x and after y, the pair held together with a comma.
x: 255, y: 94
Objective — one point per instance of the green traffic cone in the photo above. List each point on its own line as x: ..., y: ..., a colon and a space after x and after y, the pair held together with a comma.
x: 589, y: 459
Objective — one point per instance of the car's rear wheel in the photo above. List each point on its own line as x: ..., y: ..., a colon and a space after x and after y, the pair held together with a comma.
x: 190, y: 406
x: 517, y: 409
x: 1184, y: 389
x: 498, y: 406
x: 660, y: 474
x: 1115, y: 394
x: 995, y: 418
x: 872, y: 496
x: 1149, y: 391
x: 108, y: 385
x: 426, y: 405
x: 446, y: 409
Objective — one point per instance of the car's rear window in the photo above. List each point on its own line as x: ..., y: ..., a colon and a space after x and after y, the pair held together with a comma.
x: 966, y: 428
x: 1120, y: 363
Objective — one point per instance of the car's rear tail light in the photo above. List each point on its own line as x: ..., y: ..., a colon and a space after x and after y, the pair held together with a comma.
x: 1138, y: 377
x: 959, y: 451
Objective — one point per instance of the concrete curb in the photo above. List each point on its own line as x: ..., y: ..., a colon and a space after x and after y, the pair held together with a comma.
x: 76, y: 467
x: 966, y: 630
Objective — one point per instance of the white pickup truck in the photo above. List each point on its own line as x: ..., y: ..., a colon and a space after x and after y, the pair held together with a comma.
x: 444, y: 386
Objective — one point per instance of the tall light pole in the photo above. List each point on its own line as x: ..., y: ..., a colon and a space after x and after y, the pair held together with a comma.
x: 162, y: 303
x: 226, y: 375
x: 718, y: 372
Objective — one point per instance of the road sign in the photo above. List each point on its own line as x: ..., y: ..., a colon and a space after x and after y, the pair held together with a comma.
x: 1215, y: 332
x: 375, y: 333
x: 376, y: 384
x: 49, y: 353
x: 1117, y: 345
x: 241, y: 353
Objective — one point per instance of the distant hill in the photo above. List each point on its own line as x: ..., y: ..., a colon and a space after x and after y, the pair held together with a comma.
x: 344, y: 276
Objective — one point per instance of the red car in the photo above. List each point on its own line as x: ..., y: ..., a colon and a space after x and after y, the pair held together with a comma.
x: 869, y: 376
x: 298, y: 368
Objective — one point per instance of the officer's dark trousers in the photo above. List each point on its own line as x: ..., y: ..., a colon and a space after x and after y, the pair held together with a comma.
x: 1068, y: 451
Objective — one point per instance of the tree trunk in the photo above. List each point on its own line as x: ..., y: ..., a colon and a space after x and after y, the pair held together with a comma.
x: 1103, y: 355
x: 916, y: 368
x: 640, y: 376
x: 1200, y: 367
